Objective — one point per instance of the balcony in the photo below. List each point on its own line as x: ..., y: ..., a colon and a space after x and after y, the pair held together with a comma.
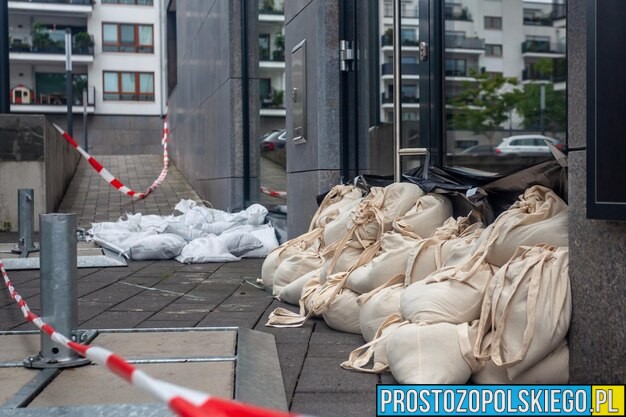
x: 543, y: 48
x: 44, y: 49
x: 388, y: 99
x: 546, y: 19
x: 461, y: 42
x: 457, y: 13
x: 271, y: 11
x: 407, y: 69
x: 557, y: 74
x: 53, y: 102
x: 387, y: 40
x: 60, y: 7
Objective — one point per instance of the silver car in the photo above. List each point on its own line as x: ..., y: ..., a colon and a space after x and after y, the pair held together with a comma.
x: 526, y: 144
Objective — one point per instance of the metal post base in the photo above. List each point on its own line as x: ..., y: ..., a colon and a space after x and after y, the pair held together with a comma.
x: 23, y: 250
x: 40, y: 362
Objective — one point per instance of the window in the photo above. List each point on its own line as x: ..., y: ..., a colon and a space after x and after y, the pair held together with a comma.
x: 456, y: 68
x: 128, y: 86
x: 264, y: 46
x: 137, y: 2
x: 493, y: 22
x: 117, y: 37
x: 493, y: 50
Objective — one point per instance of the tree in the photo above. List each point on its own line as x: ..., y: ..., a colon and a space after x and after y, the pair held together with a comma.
x: 528, y: 105
x: 485, y: 104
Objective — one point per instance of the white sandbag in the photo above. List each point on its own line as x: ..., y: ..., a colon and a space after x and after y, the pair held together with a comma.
x: 538, y: 217
x: 449, y: 295
x: 378, y: 305
x: 267, y: 235
x: 120, y: 242
x: 340, y: 198
x: 553, y: 369
x: 205, y: 249
x: 184, y: 231
x: 292, y: 292
x: 287, y: 249
x: 295, y: 266
x: 389, y: 261
x: 215, y: 228
x: 428, y: 354
x: 240, y: 243
x: 253, y: 215
x: 342, y: 313
x: 375, y: 351
x: 161, y: 246
x: 527, y: 309
x: 430, y: 212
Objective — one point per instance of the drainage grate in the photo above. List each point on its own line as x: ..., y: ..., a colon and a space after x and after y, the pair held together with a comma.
x: 90, y: 255
x: 229, y: 362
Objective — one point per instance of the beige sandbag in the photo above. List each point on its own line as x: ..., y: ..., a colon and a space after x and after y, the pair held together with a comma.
x: 428, y: 354
x: 538, y: 217
x: 287, y: 249
x: 527, y: 308
x: 389, y: 261
x: 342, y: 313
x: 450, y: 245
x: 450, y: 295
x: 421, y: 221
x: 379, y: 304
x: 374, y: 214
x: 316, y: 297
x: 348, y: 256
x: 340, y: 198
x: 553, y: 369
x: 292, y: 292
x: 296, y: 266
x: 376, y: 349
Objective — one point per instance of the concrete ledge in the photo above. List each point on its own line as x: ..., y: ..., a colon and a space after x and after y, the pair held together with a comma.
x: 32, y: 155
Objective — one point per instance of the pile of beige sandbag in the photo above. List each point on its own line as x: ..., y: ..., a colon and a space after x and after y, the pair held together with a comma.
x: 438, y: 299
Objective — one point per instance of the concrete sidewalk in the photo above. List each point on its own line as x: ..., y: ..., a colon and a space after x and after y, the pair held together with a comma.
x: 165, y: 294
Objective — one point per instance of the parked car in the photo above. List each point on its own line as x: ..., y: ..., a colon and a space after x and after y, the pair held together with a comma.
x: 526, y: 144
x: 273, y: 140
x: 479, y: 150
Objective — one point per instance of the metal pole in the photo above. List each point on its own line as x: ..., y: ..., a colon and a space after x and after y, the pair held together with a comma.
x: 58, y: 289
x: 68, y: 80
x: 5, y: 102
x: 397, y: 87
x: 26, y: 219
x: 85, y: 137
x: 542, y: 105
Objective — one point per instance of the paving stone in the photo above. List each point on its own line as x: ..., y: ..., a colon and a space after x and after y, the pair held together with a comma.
x: 334, y: 404
x: 325, y: 375
x: 291, y: 359
x: 116, y: 320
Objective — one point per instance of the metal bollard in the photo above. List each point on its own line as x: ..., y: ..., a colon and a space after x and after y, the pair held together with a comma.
x: 58, y: 286
x: 26, y: 220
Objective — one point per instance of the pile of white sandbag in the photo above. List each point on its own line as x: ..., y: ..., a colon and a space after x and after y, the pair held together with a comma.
x: 437, y: 299
x: 199, y: 234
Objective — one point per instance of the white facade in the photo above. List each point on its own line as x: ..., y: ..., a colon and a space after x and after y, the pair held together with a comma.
x: 26, y: 63
x: 271, y: 62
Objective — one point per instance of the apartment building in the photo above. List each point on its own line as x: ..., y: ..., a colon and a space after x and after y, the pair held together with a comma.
x: 117, y: 59
x: 524, y: 40
x: 271, y: 19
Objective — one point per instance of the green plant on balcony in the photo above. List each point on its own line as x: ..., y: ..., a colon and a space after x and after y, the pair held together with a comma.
x: 387, y: 38
x: 83, y: 42
x: 277, y: 98
x: 41, y: 38
x: 267, y: 6
x: 279, y: 44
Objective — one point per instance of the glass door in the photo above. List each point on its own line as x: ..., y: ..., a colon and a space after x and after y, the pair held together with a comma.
x: 388, y: 37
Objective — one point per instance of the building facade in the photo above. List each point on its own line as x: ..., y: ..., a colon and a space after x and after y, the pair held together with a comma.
x: 117, y: 59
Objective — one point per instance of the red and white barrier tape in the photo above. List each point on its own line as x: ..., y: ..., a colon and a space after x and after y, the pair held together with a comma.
x: 183, y: 401
x: 108, y: 177
x: 272, y: 193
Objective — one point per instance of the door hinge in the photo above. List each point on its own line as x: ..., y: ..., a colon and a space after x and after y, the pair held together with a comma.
x: 347, y: 57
